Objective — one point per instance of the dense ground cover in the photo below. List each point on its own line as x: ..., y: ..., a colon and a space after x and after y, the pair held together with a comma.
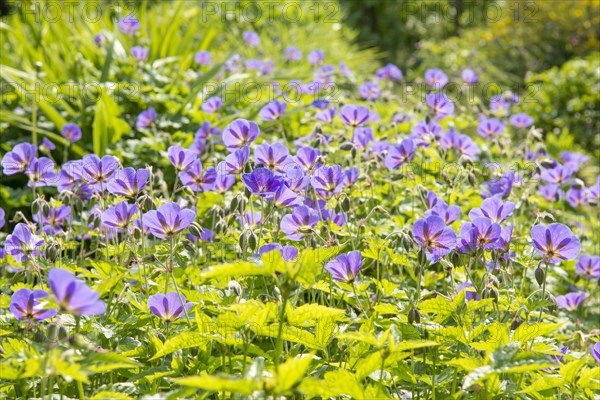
x: 330, y: 229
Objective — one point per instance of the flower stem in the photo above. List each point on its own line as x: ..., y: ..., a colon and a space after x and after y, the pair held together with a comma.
x: 543, y: 291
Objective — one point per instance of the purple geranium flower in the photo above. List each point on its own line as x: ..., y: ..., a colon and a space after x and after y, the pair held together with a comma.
x: 588, y: 266
x: 98, y: 171
x: 18, y: 159
x: 316, y: 57
x: 181, y: 158
x: 559, y: 175
x: 128, y: 182
x: 354, y: 116
x: 119, y: 216
x: 22, y: 243
x: 273, y: 111
x: 272, y: 156
x: 25, y: 305
x: 307, y: 157
x: 436, y: 78
x: 470, y: 292
x: 500, y: 187
x: 350, y: 176
x: 296, y: 178
x: 168, y: 306
x: 327, y: 181
x: 202, y: 57
x: 235, y: 162
x: 461, y: 143
x: 146, y: 118
x: 54, y: 218
x: 286, y: 197
x: 262, y: 182
x: 2, y: 217
x: 400, y: 155
x: 440, y: 104
x: 390, y: 71
x: 494, y: 209
x: 224, y: 181
x: 480, y: 233
x: 434, y: 237
x: 595, y: 351
x: 168, y: 220
x: 469, y: 76
x: 448, y: 213
x: 288, y: 252
x: 292, y: 53
x: 345, y: 267
x: 73, y: 295
x: 99, y: 39
x: 139, y: 53
x: 521, y: 120
x: 47, y: 143
x: 489, y: 128
x: 362, y: 137
x: 558, y: 359
x: 251, y: 38
x: 570, y: 301
x: 300, y: 222
x: 41, y: 172
x: 71, y: 132
x: 424, y: 133
x: 326, y: 115
x: 577, y: 197
x: 197, y: 179
x: 129, y: 25
x: 555, y: 242
x: 212, y: 105
x: 240, y: 133
x: 370, y: 91
x: 500, y: 103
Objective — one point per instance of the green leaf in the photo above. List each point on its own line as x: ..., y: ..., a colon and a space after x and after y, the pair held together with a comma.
x: 215, y: 383
x: 235, y: 270
x: 526, y: 332
x: 291, y: 372
x: 183, y: 340
x: 570, y: 370
x: 103, y: 362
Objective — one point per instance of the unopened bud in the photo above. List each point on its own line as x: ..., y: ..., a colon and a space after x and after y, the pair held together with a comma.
x: 347, y: 146
x: 414, y: 316
x: 539, y: 276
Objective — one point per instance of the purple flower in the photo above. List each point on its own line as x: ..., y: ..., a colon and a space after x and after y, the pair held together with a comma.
x: 574, y: 160
x: 448, y: 213
x: 202, y: 57
x: 71, y: 132
x: 436, y: 78
x: 440, y: 104
x: 555, y: 242
x: 146, y: 118
x: 197, y: 179
x: 292, y: 53
x: 370, y: 91
x: 469, y: 76
x: 559, y: 359
x: 41, y: 172
x: 272, y: 156
x: 489, y: 128
x: 273, y: 111
x: 240, y: 133
x: 595, y: 351
x: 500, y: 187
x: 99, y: 39
x: 461, y: 143
x: 321, y: 104
x: 500, y: 103
x: 345, y: 267
x: 168, y: 220
x: 288, y: 252
x: 18, y: 159
x: 316, y: 57
x: 588, y: 266
x: 47, y: 143
x: 560, y: 174
x: 119, y: 216
x: 470, y: 293
x: 521, y: 120
x: 351, y: 176
x: 98, y: 171
x: 434, y: 237
x: 128, y: 182
x: 594, y: 192
x: 424, y: 133
x: 235, y: 162
x: 286, y: 197
x: 129, y: 25
x: 212, y: 105
x: 296, y: 178
x: 576, y: 197
x: 362, y: 137
x: 251, y: 219
x: 327, y: 181
x: 262, y: 182
x: 206, y: 235
x: 181, y: 158
x: 223, y: 182
x: 346, y: 72
x: 139, y: 53
x: 25, y: 305
x: 168, y: 306
x: 354, y: 116
x: 307, y: 157
x: 400, y: 155
x: 22, y: 243
x: 54, y: 219
x: 300, y: 222
x: 205, y: 131
x: 326, y: 115
x: 390, y: 71
x: 480, y: 233
x: 251, y: 38
x: 73, y: 295
x: 432, y: 199
x: 2, y: 218
x: 494, y: 209
x: 570, y: 301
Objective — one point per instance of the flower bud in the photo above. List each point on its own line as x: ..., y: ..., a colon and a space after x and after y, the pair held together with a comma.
x: 235, y: 286
x: 345, y: 204
x: 243, y: 241
x: 347, y: 146
x: 540, y: 276
x: 577, y: 184
x: 53, y: 251
x: 252, y: 242
x: 472, y: 178
x: 414, y: 316
x: 515, y: 323
x: 195, y: 229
